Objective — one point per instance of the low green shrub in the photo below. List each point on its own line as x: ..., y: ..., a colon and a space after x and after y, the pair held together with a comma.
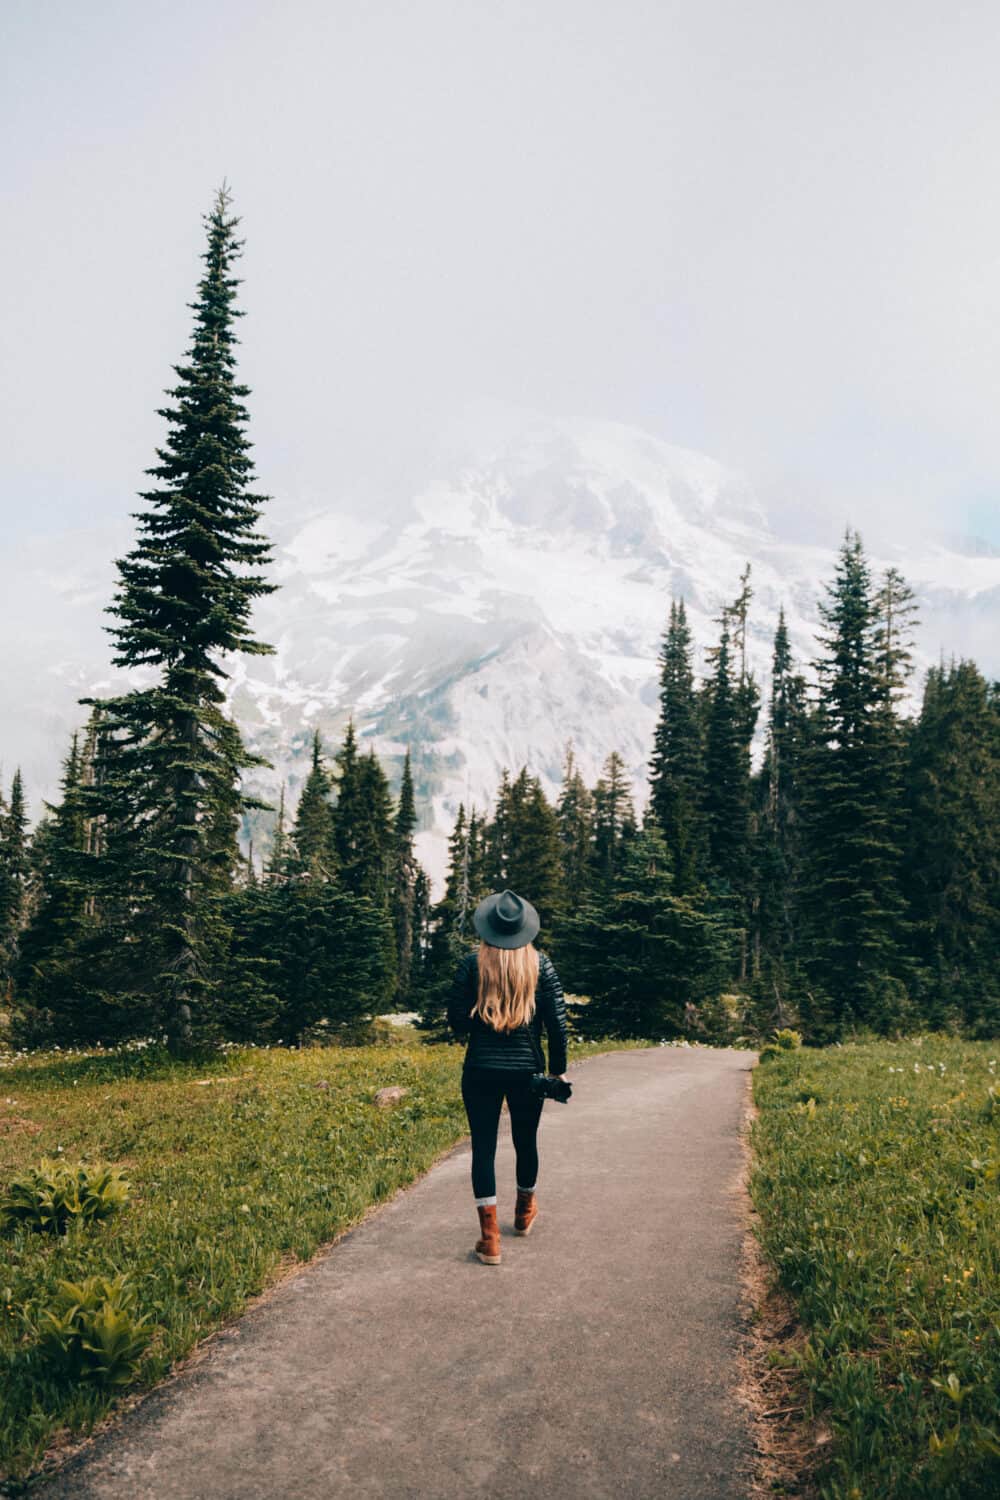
x: 55, y: 1194
x: 92, y: 1333
x: 787, y: 1039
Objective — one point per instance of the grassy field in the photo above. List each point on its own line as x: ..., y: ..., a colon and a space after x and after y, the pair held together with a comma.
x: 237, y: 1170
x: 877, y: 1180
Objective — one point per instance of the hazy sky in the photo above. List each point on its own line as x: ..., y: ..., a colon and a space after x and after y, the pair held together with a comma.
x: 770, y: 231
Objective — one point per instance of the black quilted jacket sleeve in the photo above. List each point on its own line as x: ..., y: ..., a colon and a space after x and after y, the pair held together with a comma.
x: 488, y: 1048
x: 552, y: 1007
x: 462, y: 996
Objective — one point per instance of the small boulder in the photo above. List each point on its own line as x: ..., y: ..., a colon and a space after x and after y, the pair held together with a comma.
x: 385, y: 1097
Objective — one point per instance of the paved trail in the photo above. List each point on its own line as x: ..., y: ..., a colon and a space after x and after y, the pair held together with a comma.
x: 595, y: 1361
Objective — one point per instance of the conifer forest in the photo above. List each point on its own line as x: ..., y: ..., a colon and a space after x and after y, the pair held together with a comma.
x: 842, y: 879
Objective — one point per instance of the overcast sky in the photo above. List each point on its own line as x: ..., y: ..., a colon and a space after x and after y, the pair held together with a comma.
x: 768, y: 231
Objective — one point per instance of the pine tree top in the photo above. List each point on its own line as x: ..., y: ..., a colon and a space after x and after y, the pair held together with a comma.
x: 406, y: 812
x: 186, y: 589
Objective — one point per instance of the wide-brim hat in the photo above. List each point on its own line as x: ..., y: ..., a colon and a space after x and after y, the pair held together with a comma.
x: 506, y: 920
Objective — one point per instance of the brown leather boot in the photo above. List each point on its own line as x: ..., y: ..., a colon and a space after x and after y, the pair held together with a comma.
x: 488, y: 1245
x: 525, y: 1211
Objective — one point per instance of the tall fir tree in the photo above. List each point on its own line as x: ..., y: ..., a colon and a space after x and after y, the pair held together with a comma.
x: 454, y: 902
x: 420, y: 948
x: 478, y: 858
x: 747, y: 691
x: 370, y: 874
x: 14, y: 872
x: 347, y: 812
x: 675, y: 769
x: 276, y: 869
x: 726, y: 790
x: 895, y: 615
x: 614, y: 818
x: 575, y: 815
x: 404, y: 879
x: 183, y: 602
x: 312, y: 834
x: 51, y: 939
x: 852, y: 904
x: 58, y: 996
x: 449, y: 932
x: 776, y: 848
x: 364, y: 837
x: 498, y: 838
x: 535, y: 866
x: 952, y: 864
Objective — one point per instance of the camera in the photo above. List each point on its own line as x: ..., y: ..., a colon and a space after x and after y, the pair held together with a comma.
x: 550, y: 1087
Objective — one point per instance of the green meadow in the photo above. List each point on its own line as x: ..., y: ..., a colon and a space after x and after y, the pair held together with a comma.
x: 877, y: 1180
x: 236, y: 1169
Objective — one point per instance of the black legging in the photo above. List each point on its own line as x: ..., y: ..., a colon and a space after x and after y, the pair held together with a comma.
x: 483, y: 1091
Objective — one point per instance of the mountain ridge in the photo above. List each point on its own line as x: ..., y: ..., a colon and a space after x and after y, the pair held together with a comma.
x: 515, y: 603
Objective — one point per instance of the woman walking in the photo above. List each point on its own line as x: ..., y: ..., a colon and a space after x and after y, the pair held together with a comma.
x: 501, y: 997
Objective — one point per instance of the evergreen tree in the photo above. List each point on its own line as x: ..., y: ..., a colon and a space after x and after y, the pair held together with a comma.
x: 952, y: 867
x: 450, y: 932
x: 312, y: 835
x: 747, y: 692
x: 895, y: 614
x: 347, y: 810
x: 454, y: 902
x: 642, y: 953
x: 374, y: 839
x: 575, y: 814
x: 498, y: 838
x: 420, y: 949
x: 170, y: 790
x: 726, y: 793
x: 777, y: 855
x: 780, y: 787
x: 13, y: 876
x: 477, y: 878
x: 851, y: 897
x: 304, y: 954
x: 277, y: 867
x: 728, y: 707
x: 535, y: 865
x: 97, y: 771
x: 462, y: 877
x: 51, y: 934
x: 364, y: 834
x: 405, y: 870
x: 675, y: 770
x: 55, y: 996
x: 614, y: 818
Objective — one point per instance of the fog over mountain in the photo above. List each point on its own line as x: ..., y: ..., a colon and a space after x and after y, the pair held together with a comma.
x: 513, y: 603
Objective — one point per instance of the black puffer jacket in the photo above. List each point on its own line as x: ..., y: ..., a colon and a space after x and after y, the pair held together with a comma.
x: 489, y: 1048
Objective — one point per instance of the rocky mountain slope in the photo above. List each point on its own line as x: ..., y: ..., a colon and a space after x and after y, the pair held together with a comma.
x: 521, y: 602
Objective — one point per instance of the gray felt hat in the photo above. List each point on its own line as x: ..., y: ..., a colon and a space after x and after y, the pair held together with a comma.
x: 506, y: 920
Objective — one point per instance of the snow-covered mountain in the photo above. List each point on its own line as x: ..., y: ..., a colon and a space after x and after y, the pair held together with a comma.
x: 515, y: 604
x: 521, y: 602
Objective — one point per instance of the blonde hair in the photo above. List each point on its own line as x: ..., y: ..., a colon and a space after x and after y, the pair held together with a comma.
x: 507, y: 981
